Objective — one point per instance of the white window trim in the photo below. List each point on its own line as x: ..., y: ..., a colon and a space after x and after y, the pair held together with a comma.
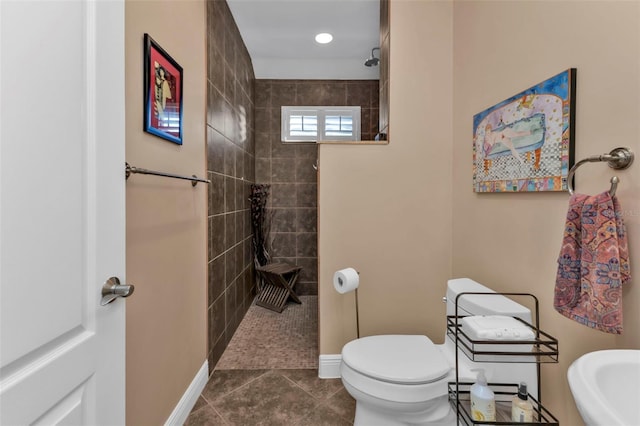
x: 321, y: 112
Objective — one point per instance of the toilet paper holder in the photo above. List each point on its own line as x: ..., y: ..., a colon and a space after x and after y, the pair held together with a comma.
x: 345, y: 281
x: 357, y: 315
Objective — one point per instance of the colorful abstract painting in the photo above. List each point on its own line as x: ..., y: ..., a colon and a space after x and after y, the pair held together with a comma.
x: 525, y: 143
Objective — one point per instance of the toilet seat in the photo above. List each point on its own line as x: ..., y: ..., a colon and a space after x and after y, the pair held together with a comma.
x: 398, y: 359
x: 403, y: 369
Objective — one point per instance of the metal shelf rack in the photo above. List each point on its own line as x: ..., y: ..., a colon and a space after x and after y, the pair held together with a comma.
x: 542, y: 349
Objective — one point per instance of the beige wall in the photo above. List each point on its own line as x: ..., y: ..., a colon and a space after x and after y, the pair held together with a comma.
x: 386, y: 209
x: 166, y: 220
x: 512, y: 240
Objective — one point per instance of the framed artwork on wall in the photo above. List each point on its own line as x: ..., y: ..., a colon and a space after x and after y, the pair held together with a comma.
x: 526, y: 142
x: 162, y: 93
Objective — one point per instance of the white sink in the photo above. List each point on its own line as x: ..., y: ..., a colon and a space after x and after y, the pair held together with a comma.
x: 606, y: 387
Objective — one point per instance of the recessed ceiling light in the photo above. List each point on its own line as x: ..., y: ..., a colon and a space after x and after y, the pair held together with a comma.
x: 324, y: 38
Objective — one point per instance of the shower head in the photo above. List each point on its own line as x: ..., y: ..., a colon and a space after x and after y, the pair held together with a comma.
x: 372, y: 61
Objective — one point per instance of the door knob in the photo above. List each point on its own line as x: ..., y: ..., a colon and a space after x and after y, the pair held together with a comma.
x: 112, y: 289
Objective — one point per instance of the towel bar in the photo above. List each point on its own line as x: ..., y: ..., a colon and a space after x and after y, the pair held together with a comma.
x: 132, y: 170
x: 618, y: 159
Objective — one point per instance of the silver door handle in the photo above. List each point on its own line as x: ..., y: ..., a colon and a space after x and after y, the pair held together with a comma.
x: 112, y: 289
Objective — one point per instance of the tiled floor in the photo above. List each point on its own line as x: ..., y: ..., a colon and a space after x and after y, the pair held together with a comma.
x: 272, y: 397
x: 268, y: 375
x: 268, y: 339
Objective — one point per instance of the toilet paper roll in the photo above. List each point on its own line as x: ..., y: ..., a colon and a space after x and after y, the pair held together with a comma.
x: 346, y: 280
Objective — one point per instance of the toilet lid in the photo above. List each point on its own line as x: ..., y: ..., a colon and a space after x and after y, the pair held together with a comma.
x: 404, y: 359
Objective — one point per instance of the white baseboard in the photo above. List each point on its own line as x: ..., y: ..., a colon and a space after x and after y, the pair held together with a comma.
x: 190, y: 397
x: 329, y: 366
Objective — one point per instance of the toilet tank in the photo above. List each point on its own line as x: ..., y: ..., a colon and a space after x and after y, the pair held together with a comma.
x: 480, y: 304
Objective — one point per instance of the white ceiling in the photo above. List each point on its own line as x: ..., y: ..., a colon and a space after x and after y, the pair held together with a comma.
x: 279, y: 35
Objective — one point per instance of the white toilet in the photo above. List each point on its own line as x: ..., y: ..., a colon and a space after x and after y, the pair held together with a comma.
x: 402, y: 379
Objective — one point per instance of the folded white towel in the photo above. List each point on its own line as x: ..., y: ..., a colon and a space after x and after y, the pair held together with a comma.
x: 496, y: 327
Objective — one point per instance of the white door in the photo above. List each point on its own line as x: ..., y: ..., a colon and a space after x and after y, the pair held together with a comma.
x: 61, y: 211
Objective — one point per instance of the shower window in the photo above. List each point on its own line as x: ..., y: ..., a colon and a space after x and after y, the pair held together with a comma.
x: 320, y: 123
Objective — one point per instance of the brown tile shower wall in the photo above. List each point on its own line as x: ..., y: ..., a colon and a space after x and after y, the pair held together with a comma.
x: 230, y: 166
x: 289, y: 167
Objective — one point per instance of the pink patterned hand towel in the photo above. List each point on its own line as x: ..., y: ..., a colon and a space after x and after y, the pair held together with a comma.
x: 593, y: 263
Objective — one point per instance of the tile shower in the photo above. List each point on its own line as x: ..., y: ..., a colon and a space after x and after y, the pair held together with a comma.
x: 243, y: 147
x: 289, y: 167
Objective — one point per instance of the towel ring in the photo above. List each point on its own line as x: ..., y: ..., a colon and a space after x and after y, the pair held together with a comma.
x: 618, y: 159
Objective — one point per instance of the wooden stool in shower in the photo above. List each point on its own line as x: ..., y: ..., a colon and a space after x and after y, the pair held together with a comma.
x: 279, y: 280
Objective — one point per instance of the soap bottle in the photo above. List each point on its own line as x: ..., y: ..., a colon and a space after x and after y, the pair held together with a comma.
x: 521, y: 408
x: 483, y: 403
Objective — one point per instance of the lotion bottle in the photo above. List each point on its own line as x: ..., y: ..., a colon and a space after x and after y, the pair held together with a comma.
x: 483, y: 403
x: 521, y: 408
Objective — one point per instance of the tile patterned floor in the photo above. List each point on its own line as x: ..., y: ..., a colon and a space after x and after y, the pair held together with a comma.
x: 272, y: 398
x: 268, y: 375
x: 267, y: 339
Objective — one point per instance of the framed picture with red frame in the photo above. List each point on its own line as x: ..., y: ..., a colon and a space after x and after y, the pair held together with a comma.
x: 162, y: 93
